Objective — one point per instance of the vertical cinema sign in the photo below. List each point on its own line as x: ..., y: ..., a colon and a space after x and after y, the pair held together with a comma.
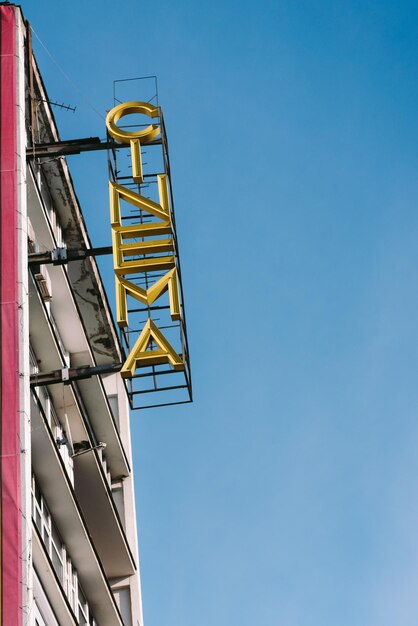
x: 145, y: 248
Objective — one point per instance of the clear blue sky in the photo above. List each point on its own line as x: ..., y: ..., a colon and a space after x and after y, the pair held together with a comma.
x: 287, y: 494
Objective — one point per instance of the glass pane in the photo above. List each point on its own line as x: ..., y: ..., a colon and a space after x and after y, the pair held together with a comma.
x: 81, y: 596
x: 82, y: 607
x: 38, y: 495
x: 56, y: 562
x: 54, y: 418
x: 38, y: 519
x: 82, y: 617
x: 45, y: 534
x: 56, y: 537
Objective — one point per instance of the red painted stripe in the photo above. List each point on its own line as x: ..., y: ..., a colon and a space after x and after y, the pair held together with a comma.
x: 10, y: 419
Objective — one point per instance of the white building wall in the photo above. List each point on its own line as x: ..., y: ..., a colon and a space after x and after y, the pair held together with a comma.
x: 23, y: 296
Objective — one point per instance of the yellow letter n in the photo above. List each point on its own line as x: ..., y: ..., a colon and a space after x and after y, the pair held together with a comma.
x: 122, y: 251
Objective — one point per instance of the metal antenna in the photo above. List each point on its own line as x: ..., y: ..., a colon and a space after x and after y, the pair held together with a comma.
x: 67, y: 107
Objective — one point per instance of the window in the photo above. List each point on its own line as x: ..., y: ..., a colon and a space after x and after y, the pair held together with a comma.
x: 114, y: 405
x: 103, y: 462
x: 59, y: 434
x: 57, y: 550
x: 33, y: 361
x: 48, y: 531
x: 60, y: 559
x: 83, y: 609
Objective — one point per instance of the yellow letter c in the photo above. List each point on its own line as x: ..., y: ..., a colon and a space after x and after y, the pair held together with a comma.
x: 128, y: 108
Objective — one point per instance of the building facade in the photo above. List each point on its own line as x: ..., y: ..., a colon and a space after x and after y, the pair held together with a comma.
x: 68, y: 548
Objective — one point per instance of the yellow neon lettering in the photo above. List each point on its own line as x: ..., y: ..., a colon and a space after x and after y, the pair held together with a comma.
x: 136, y: 158
x: 121, y: 250
x: 147, y: 296
x: 117, y: 192
x: 148, y: 246
x: 140, y: 355
x: 128, y: 108
x: 122, y: 266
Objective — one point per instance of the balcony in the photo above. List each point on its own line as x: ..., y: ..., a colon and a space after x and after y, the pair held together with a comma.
x: 49, y: 469
x: 48, y: 345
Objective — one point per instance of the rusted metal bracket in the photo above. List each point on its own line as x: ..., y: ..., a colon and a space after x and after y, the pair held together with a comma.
x: 75, y: 146
x: 68, y: 375
x: 61, y: 256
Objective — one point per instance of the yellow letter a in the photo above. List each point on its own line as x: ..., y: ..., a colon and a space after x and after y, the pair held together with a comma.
x: 140, y: 356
